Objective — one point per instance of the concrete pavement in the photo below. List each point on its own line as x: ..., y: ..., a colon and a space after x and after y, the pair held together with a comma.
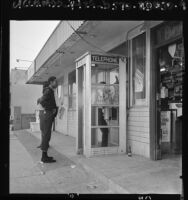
x: 116, y: 173
x: 28, y: 175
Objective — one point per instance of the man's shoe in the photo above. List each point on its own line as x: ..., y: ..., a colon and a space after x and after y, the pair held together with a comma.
x: 49, y: 157
x: 47, y: 160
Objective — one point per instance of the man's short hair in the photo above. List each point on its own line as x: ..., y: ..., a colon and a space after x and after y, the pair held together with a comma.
x: 52, y: 78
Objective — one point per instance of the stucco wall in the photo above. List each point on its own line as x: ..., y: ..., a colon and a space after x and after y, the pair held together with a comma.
x: 66, y: 124
x: 22, y: 94
x: 25, y: 96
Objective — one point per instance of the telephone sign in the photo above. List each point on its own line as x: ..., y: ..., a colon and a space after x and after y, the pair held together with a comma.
x: 104, y: 59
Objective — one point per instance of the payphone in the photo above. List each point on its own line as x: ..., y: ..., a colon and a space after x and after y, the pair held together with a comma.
x: 101, y: 104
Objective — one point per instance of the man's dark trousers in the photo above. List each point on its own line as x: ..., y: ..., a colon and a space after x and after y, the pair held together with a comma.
x: 46, y: 120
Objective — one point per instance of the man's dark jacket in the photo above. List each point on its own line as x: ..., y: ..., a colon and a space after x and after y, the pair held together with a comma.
x: 48, y: 100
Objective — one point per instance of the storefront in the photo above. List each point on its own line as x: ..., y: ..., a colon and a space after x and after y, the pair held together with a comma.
x: 110, y: 100
x: 168, y: 61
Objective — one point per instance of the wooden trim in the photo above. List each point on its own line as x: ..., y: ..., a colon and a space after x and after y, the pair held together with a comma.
x: 106, y: 126
x: 131, y: 77
x: 104, y: 105
x: 179, y: 37
x: 148, y: 58
x: 152, y: 101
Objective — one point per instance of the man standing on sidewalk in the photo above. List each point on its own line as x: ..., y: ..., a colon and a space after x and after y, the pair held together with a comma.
x: 47, y: 117
x: 41, y: 110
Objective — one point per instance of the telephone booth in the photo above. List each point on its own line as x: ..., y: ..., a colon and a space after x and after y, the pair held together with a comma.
x: 101, y: 104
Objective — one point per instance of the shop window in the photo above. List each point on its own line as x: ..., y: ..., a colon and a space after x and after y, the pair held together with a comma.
x: 139, y: 69
x: 60, y: 91
x: 72, y: 89
x: 171, y: 63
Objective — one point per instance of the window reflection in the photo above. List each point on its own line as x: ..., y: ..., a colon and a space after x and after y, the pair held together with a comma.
x: 114, y: 76
x: 72, y: 89
x: 105, y: 116
x: 107, y: 74
x: 105, y: 94
x: 138, y: 66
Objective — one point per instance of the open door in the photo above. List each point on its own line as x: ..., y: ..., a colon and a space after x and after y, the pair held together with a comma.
x: 169, y: 71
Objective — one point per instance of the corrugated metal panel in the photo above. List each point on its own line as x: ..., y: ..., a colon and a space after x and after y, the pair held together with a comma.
x: 139, y: 124
x: 139, y: 118
x: 138, y: 130
x: 62, y: 32
x: 139, y: 139
x: 139, y: 114
x: 139, y: 148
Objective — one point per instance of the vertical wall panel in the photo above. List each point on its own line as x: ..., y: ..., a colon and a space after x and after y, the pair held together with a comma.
x: 138, y: 131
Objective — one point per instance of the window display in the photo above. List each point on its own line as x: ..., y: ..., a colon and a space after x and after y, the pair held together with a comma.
x: 171, y: 63
x: 72, y: 89
x: 105, y: 94
x: 138, y: 66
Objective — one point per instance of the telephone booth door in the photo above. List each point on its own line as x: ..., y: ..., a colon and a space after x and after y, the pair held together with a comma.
x: 101, y: 108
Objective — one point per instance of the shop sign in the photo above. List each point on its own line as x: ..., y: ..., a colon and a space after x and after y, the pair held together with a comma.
x: 165, y: 125
x: 104, y: 59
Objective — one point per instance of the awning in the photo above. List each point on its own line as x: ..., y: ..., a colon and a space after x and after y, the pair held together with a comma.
x: 97, y: 36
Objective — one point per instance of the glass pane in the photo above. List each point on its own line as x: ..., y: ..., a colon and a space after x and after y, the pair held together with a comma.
x: 138, y: 60
x: 101, y: 76
x: 74, y: 88
x: 74, y: 101
x: 93, y: 76
x: 105, y: 95
x: 104, y: 116
x: 104, y: 137
x: 114, y: 76
x: 93, y: 116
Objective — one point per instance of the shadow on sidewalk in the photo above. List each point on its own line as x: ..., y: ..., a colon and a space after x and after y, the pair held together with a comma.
x: 30, y: 142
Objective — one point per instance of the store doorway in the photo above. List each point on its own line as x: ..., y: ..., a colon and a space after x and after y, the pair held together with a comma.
x: 170, y: 69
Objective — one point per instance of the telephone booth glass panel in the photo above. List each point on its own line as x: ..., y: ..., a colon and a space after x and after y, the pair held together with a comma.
x: 104, y: 105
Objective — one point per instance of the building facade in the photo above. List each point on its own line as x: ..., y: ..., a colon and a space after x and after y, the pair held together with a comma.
x: 23, y: 99
x: 137, y: 101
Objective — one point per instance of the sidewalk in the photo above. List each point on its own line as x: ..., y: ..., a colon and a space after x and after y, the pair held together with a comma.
x: 120, y: 173
x: 125, y: 174
x: 28, y: 175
